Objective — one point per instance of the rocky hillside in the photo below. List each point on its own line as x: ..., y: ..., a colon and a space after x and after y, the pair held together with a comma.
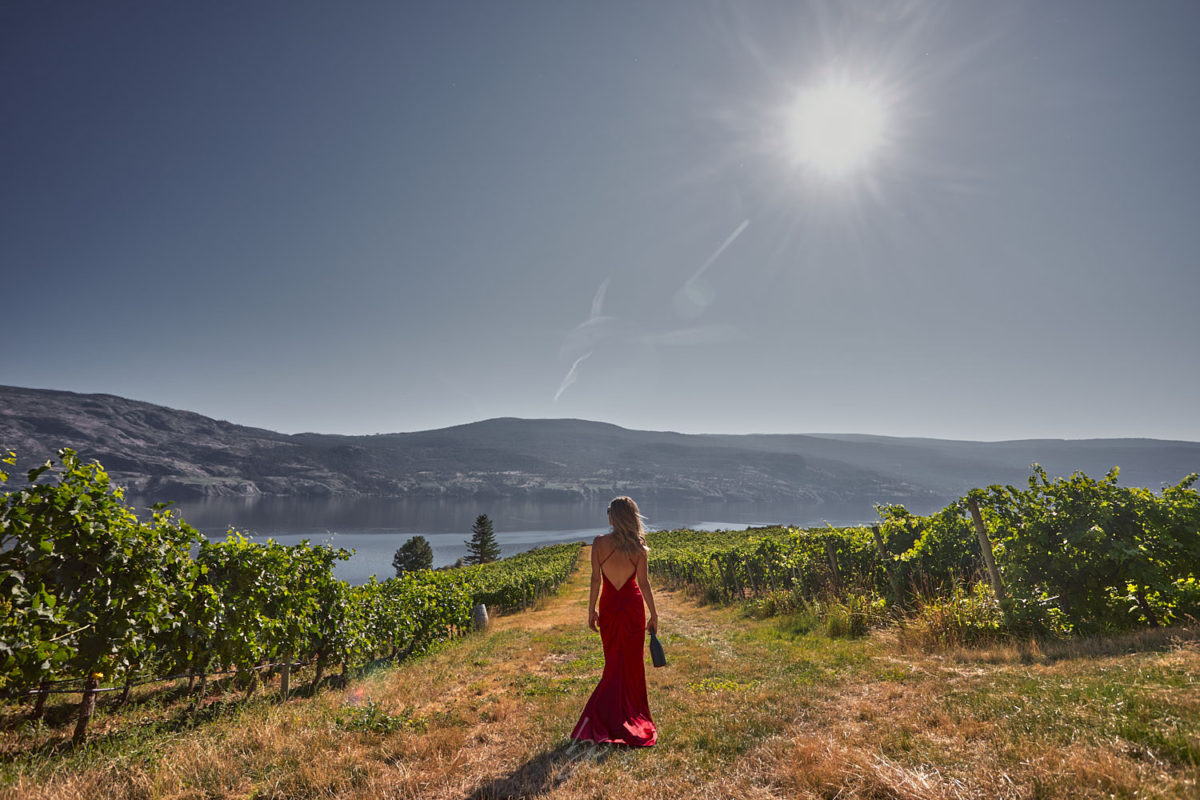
x: 172, y: 454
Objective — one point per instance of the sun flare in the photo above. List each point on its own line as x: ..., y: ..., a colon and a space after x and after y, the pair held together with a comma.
x: 834, y: 129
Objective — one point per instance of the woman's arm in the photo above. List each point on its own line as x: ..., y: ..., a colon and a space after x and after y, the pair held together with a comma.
x: 594, y: 594
x: 643, y: 579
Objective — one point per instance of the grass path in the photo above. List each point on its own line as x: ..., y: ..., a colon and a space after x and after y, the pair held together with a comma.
x: 746, y: 709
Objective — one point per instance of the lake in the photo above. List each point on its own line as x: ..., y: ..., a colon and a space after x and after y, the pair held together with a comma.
x: 375, y: 527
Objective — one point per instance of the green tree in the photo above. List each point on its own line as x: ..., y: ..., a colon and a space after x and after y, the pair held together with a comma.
x: 482, y: 546
x: 413, y: 555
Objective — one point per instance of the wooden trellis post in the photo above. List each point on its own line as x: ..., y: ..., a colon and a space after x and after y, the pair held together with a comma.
x: 285, y: 677
x: 888, y: 565
x: 985, y: 545
x: 831, y: 553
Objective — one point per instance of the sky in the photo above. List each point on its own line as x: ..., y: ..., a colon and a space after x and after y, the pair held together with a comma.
x: 376, y: 217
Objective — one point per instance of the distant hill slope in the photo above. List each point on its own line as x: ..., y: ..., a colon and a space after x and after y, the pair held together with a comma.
x: 173, y: 454
x: 956, y: 466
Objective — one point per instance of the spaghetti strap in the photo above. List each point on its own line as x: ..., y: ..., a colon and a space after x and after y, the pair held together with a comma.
x: 633, y: 562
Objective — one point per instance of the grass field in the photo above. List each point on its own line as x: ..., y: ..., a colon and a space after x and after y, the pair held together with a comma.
x: 745, y: 708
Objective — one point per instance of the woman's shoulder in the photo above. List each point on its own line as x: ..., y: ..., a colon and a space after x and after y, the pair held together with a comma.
x: 603, y: 541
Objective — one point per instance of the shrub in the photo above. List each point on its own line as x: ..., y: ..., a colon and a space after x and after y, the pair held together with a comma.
x: 774, y: 603
x: 851, y: 616
x: 968, y: 616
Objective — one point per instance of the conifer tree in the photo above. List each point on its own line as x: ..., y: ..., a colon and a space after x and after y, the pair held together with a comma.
x: 413, y: 555
x: 482, y: 546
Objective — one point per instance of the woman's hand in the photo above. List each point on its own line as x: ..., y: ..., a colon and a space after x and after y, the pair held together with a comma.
x: 593, y: 619
x: 652, y: 623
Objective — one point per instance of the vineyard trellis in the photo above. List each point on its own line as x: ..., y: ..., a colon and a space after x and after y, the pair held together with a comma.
x: 91, y: 594
x: 1076, y: 554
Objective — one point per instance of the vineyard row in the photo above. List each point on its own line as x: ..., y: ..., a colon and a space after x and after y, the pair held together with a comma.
x: 90, y: 593
x: 1070, y: 555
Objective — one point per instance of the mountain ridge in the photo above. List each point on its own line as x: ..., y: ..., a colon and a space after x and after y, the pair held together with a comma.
x: 177, y: 454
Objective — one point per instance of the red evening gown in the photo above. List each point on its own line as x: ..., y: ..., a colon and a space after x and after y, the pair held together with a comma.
x: 618, y: 711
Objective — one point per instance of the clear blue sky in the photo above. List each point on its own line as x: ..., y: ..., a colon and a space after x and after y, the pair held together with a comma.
x: 373, y: 217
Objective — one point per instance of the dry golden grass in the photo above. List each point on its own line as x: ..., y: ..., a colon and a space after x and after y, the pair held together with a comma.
x: 745, y: 710
x: 1017, y: 722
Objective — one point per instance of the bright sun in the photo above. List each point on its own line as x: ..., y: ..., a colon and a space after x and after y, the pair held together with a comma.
x: 834, y: 129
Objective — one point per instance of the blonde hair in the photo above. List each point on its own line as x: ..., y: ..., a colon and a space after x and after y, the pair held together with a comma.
x: 628, y: 531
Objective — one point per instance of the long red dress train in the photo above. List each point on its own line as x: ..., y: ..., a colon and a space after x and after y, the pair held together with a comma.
x: 618, y: 711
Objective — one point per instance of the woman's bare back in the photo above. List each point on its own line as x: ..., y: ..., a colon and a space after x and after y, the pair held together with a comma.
x: 619, y: 567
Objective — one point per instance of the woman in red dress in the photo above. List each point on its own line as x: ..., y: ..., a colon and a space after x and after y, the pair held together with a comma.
x: 618, y: 711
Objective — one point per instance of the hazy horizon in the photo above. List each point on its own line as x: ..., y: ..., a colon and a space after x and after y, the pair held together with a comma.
x: 952, y: 220
x: 653, y: 430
